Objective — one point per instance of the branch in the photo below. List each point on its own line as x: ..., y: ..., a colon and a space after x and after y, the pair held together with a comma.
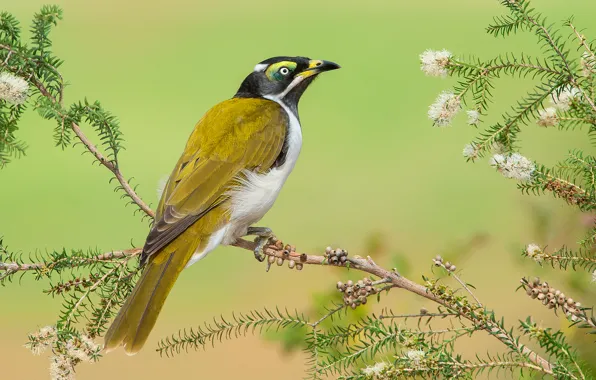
x: 114, y: 169
x: 369, y: 266
x: 14, y: 267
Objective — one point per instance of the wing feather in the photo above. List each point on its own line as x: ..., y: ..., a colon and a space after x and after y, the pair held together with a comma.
x: 235, y: 135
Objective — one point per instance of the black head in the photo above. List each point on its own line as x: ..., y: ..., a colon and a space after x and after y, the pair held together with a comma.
x: 283, y: 79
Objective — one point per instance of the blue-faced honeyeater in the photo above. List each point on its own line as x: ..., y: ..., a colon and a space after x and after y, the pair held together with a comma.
x: 232, y: 169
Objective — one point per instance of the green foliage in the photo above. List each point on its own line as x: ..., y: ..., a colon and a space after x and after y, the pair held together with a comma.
x: 239, y: 325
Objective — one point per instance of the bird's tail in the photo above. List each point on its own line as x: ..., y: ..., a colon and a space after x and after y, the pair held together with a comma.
x: 138, y: 315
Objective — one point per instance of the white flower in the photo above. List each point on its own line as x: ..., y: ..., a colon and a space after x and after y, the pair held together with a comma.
x: 470, y: 151
x: 513, y: 166
x: 473, y: 117
x: 588, y: 64
x: 535, y: 252
x: 442, y: 111
x: 547, y: 117
x: 434, y: 63
x: 161, y: 186
x: 83, y: 348
x: 563, y: 100
x: 40, y: 340
x: 74, y: 351
x: 415, y: 356
x: 61, y: 368
x: 499, y: 148
x: 13, y: 89
x: 375, y: 370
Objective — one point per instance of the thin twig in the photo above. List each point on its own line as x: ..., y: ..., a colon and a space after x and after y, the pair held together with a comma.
x: 108, y: 256
x: 114, y: 169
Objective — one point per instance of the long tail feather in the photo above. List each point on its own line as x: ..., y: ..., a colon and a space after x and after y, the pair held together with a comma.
x: 138, y: 315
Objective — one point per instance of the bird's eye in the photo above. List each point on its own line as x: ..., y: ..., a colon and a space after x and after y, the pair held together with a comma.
x: 284, y: 71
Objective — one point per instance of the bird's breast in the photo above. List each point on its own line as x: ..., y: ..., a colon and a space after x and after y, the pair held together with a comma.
x: 257, y: 192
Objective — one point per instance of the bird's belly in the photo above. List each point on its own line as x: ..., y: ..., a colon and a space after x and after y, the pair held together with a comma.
x: 251, y: 201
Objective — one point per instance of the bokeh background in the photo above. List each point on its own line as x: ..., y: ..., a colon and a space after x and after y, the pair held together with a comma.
x: 373, y: 171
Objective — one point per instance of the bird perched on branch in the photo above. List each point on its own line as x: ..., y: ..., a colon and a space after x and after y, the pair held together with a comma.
x: 233, y: 167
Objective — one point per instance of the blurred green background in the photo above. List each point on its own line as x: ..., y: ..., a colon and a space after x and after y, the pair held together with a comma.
x: 371, y: 165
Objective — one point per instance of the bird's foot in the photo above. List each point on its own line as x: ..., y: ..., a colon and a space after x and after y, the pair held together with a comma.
x: 264, y: 234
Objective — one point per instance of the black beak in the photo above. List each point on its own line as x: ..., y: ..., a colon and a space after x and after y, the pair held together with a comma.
x: 318, y: 66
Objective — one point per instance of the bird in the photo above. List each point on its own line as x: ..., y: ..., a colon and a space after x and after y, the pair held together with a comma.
x: 233, y: 167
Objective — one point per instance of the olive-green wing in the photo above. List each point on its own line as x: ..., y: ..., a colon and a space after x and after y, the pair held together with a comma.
x: 235, y: 135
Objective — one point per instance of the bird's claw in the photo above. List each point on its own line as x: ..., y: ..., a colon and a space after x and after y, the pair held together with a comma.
x: 259, y: 255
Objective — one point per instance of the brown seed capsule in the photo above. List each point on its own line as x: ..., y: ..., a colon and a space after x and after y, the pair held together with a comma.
x: 363, y: 292
x: 560, y: 300
x: 340, y: 285
x: 360, y: 284
x: 353, y: 305
x: 368, y: 288
x: 291, y: 264
x: 271, y: 259
x: 550, y: 296
x: 544, y: 288
x: 328, y: 250
x: 447, y: 264
x: 362, y: 299
x: 578, y: 305
x: 541, y: 296
x: 299, y: 266
x: 350, y: 283
x: 280, y: 261
x: 536, y: 281
x: 348, y: 300
x: 343, y: 259
x: 453, y: 268
x: 552, y: 303
x: 552, y: 290
x: 557, y: 293
x: 529, y: 291
x: 535, y: 292
x: 439, y: 258
x: 349, y: 291
x: 423, y: 310
x: 570, y: 301
x: 367, y: 280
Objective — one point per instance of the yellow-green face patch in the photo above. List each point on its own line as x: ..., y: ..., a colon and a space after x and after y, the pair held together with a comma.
x: 280, y: 70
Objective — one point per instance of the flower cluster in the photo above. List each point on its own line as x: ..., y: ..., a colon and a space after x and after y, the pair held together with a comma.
x: 77, y: 350
x: 564, y: 98
x: 513, y: 166
x: 434, y: 63
x: 554, y: 299
x: 415, y: 356
x: 13, y: 89
x: 375, y: 371
x: 444, y: 109
x: 355, y: 294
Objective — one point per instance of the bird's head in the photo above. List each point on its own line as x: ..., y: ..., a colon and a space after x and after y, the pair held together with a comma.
x: 283, y: 78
